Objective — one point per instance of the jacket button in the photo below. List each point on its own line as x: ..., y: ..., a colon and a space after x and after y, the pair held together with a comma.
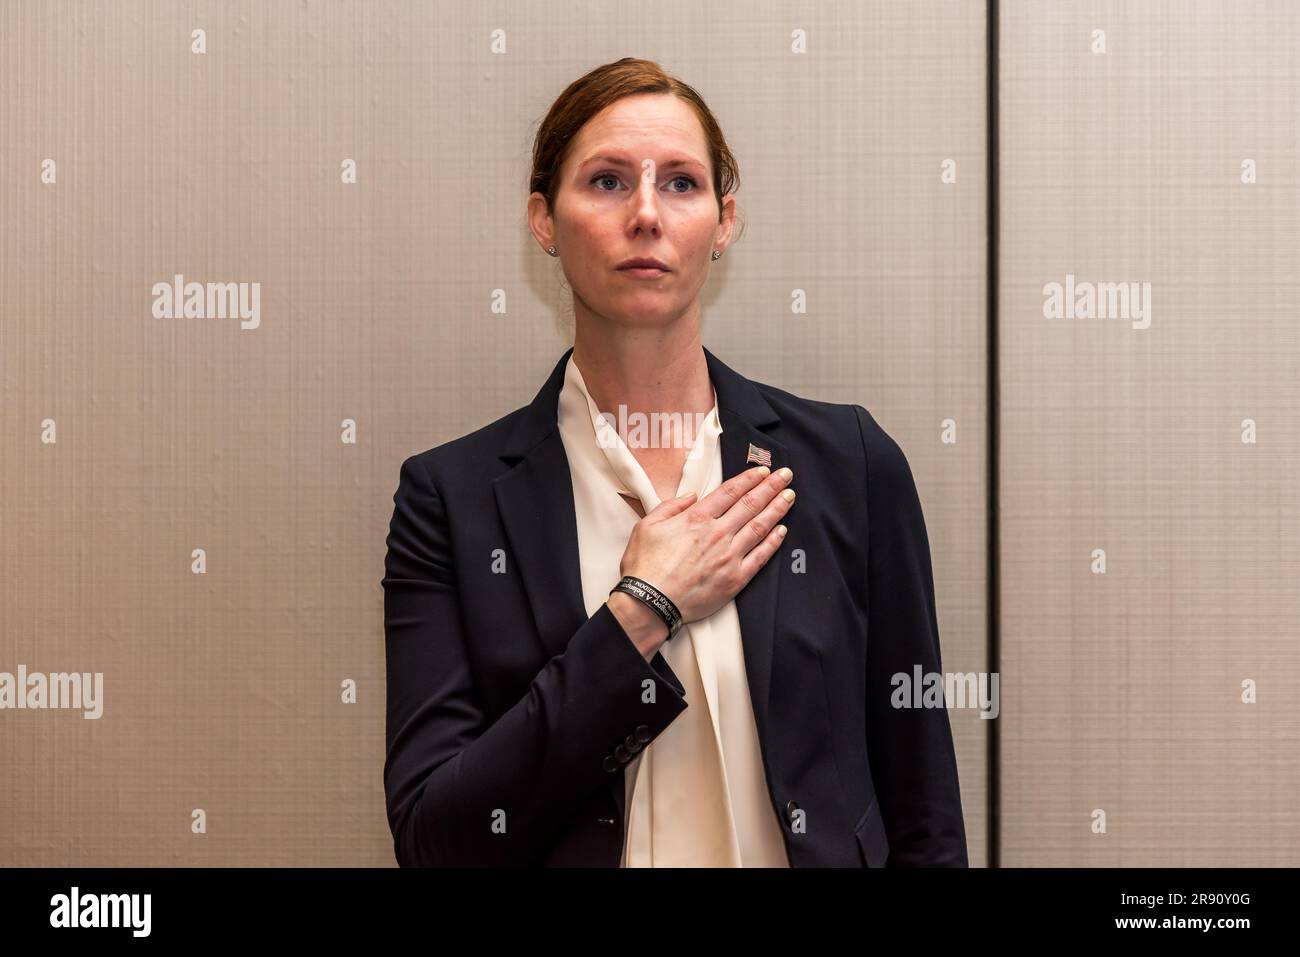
x: 622, y: 754
x: 610, y: 764
x: 643, y: 733
x: 633, y: 744
x: 790, y: 808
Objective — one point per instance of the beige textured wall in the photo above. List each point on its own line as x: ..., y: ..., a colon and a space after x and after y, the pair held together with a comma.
x: 129, y: 441
x: 1122, y: 691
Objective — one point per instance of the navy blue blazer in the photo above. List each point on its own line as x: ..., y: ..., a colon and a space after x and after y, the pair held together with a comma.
x: 511, y: 714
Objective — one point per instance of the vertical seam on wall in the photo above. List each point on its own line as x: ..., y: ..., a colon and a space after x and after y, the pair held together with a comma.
x: 991, y: 372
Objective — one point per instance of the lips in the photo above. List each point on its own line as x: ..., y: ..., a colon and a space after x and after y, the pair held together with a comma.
x: 642, y: 264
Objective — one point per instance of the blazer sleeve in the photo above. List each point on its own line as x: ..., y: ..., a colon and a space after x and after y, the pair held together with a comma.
x: 465, y: 791
x: 910, y: 750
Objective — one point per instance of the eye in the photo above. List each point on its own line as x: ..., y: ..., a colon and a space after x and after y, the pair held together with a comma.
x: 679, y: 178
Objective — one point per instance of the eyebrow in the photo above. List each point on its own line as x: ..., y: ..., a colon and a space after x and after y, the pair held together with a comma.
x: 675, y: 162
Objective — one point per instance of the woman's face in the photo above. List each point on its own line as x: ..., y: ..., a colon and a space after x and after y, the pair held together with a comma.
x: 635, y: 183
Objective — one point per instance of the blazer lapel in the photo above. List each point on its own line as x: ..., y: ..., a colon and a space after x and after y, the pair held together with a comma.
x: 535, y: 499
x: 747, y: 419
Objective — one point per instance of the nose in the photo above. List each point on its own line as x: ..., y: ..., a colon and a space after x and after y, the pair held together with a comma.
x: 646, y: 201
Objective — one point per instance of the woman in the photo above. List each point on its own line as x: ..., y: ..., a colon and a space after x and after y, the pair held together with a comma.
x: 608, y: 651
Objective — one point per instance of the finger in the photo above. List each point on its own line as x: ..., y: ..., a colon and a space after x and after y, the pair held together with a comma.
x: 758, y: 557
x: 718, y: 502
x: 758, y: 528
x: 750, y: 505
x: 670, y: 507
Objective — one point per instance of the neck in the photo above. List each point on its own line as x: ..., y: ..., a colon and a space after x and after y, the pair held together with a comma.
x: 659, y: 369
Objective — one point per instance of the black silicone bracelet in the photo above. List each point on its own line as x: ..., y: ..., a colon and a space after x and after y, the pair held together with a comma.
x: 658, y: 602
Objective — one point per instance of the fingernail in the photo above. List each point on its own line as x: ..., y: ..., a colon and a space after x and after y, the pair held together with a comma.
x: 788, y: 495
x: 785, y: 474
x: 781, y: 530
x: 764, y: 471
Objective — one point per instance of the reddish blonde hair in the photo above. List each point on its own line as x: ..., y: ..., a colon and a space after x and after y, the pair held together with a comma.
x: 585, y: 97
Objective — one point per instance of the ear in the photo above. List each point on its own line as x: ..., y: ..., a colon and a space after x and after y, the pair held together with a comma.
x: 726, y: 223
x: 540, y: 222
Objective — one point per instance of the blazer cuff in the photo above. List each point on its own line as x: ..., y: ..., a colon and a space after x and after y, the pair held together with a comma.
x: 625, y: 714
x: 660, y: 664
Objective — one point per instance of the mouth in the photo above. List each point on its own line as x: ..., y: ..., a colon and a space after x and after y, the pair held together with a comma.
x: 642, y: 272
x: 643, y: 268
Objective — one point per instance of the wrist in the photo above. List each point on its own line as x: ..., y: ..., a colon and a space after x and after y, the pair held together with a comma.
x: 650, y: 596
x: 645, y: 629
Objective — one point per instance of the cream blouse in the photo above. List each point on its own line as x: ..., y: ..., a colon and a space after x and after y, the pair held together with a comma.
x: 696, y: 794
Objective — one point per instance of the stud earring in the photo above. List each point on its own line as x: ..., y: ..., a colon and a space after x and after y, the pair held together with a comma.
x: 551, y: 250
x: 716, y: 254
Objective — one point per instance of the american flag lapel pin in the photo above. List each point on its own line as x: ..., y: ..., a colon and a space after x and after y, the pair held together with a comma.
x: 758, y: 456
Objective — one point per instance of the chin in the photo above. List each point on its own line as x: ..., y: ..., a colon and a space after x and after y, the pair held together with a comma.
x: 645, y: 310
